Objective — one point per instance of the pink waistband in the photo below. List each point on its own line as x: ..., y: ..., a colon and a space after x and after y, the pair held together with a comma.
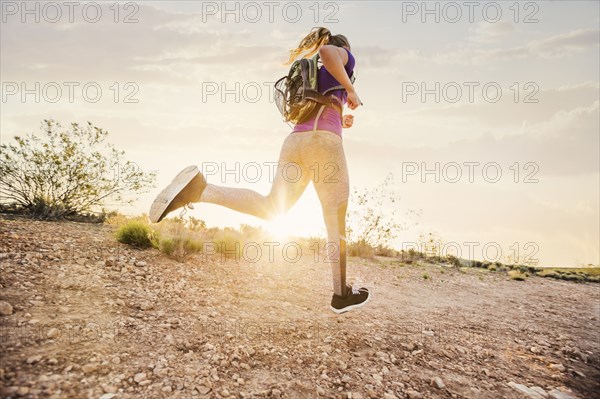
x: 328, y: 120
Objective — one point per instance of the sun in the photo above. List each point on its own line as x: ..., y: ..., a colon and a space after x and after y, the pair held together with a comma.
x: 304, y: 219
x: 279, y: 228
x: 294, y: 224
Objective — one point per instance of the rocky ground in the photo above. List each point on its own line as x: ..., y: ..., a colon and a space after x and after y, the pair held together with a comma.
x: 84, y: 317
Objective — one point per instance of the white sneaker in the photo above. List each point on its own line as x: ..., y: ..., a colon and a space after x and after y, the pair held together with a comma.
x: 185, y: 188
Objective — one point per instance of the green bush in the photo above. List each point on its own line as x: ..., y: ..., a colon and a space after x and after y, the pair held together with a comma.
x: 573, y: 277
x: 372, y: 217
x: 410, y: 256
x: 179, y: 247
x: 516, y: 275
x: 229, y: 242
x: 361, y: 248
x: 453, y: 260
x: 166, y: 246
x: 66, y: 172
x: 477, y: 263
x: 384, y: 250
x: 548, y: 273
x: 43, y: 208
x: 135, y: 233
x: 179, y: 244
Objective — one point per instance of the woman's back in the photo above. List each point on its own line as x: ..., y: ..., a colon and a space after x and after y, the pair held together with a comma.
x: 329, y: 119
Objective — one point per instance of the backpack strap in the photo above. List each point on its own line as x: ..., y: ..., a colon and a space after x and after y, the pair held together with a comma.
x: 321, y: 108
x: 340, y: 87
x: 310, y: 79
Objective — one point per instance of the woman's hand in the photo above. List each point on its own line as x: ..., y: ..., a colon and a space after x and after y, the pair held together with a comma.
x: 347, y: 121
x: 353, y: 100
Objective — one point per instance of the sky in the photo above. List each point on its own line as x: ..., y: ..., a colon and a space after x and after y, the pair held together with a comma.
x: 486, y: 113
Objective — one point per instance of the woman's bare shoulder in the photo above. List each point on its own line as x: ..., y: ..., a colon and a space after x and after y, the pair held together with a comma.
x: 329, y: 49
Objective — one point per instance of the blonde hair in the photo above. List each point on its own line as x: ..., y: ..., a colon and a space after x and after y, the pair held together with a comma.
x: 317, y: 38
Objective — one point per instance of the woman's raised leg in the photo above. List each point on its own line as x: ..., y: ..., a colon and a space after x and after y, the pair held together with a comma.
x: 289, y: 182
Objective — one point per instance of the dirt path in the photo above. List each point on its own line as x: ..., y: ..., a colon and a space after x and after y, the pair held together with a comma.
x: 92, y: 318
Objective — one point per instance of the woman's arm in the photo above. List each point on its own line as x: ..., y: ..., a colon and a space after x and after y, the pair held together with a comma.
x: 334, y: 58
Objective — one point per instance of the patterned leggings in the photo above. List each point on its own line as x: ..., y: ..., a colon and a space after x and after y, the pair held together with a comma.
x: 317, y: 156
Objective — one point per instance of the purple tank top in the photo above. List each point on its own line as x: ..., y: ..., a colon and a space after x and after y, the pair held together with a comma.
x: 330, y: 118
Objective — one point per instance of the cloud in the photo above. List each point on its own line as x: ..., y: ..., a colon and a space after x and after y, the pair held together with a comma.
x: 485, y: 32
x: 566, y: 43
x: 566, y: 144
x: 556, y: 46
x: 156, y: 49
x: 507, y: 113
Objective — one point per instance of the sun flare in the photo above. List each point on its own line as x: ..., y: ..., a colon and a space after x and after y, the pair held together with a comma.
x: 304, y: 219
x: 279, y: 228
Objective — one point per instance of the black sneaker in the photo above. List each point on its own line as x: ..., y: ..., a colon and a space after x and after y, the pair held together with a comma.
x: 355, y: 298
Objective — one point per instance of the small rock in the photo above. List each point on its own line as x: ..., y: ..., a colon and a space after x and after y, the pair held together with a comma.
x: 52, y: 333
x: 161, y: 371
x: 558, y: 366
x: 116, y: 360
x: 378, y: 379
x: 140, y: 263
x: 579, y: 373
x: 110, y: 389
x: 558, y: 394
x: 389, y: 395
x: 108, y: 396
x: 34, y: 359
x: 438, y: 383
x: 525, y: 390
x: 412, y: 394
x: 139, y: 377
x: 539, y: 390
x: 89, y: 368
x: 202, y: 389
x: 6, y: 308
x: 276, y: 393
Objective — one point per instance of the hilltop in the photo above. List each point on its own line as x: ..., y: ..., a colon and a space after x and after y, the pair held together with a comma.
x: 84, y: 316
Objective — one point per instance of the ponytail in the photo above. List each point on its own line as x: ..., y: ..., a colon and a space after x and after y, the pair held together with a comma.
x: 317, y: 38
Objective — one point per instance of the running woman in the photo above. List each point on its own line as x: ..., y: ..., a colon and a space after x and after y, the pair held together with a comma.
x: 315, y: 149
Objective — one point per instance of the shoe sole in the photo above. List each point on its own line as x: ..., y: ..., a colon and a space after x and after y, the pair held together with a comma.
x: 166, y: 196
x: 351, y: 307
